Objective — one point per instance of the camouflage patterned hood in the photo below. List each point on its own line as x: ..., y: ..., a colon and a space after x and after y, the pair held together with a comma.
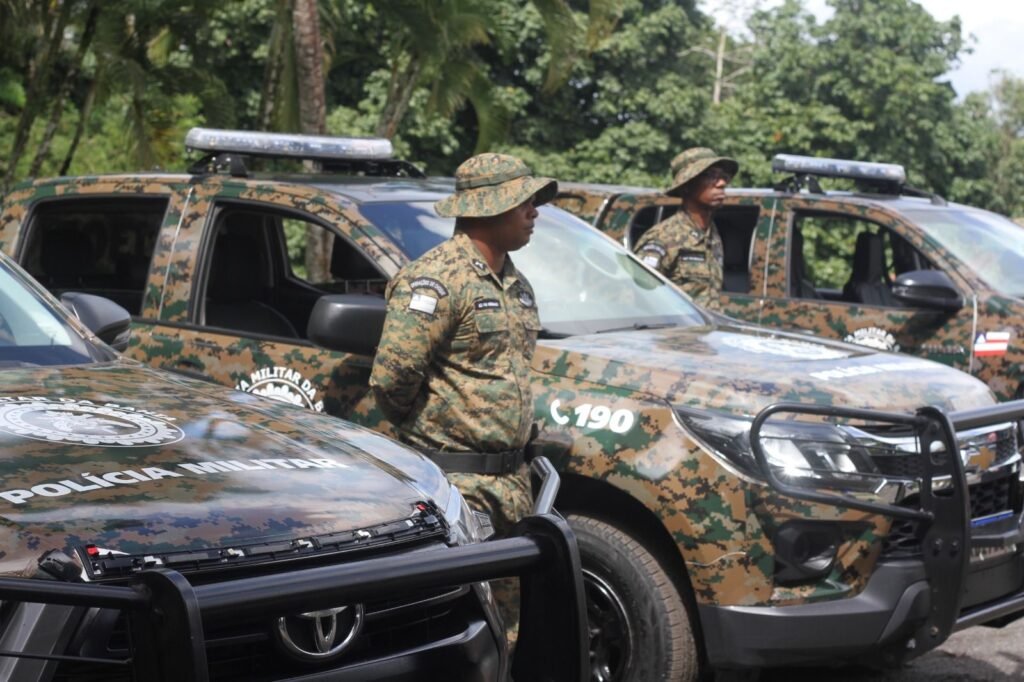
x: 133, y: 460
x: 742, y: 369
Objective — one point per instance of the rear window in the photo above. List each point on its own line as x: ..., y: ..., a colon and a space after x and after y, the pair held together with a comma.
x: 98, y: 246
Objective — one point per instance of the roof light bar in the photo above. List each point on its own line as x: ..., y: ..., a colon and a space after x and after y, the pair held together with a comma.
x: 287, y: 144
x: 839, y: 168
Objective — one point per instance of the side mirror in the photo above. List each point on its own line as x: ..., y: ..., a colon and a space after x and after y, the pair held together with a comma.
x: 104, y: 318
x: 350, y: 323
x: 928, y: 289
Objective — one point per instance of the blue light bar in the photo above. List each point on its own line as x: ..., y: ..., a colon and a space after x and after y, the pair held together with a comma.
x: 839, y: 168
x: 287, y: 144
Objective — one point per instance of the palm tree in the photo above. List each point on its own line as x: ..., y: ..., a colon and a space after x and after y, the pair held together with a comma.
x: 298, y: 57
x: 309, y: 62
x: 436, y: 42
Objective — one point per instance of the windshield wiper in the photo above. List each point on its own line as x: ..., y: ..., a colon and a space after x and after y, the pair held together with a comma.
x: 546, y: 333
x: 637, y: 326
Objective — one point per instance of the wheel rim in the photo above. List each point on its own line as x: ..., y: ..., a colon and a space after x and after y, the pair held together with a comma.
x: 610, y: 630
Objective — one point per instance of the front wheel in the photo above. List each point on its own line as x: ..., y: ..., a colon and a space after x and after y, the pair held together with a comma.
x: 640, y: 628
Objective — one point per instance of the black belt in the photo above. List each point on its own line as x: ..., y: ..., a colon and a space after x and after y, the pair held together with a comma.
x: 505, y: 462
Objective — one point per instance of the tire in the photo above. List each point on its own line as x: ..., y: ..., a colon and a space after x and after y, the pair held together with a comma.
x: 640, y: 629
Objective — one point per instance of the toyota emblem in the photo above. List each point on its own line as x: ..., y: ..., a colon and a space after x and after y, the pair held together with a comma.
x: 320, y: 635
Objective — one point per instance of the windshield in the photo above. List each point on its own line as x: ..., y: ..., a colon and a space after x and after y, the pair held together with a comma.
x: 989, y: 244
x: 31, y: 333
x: 584, y: 282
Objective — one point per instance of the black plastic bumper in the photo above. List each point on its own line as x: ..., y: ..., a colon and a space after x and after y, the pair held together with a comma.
x: 873, y: 626
x: 470, y: 656
x: 168, y: 615
x: 908, y: 607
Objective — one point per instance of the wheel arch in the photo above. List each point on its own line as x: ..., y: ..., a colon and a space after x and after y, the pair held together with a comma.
x: 604, y: 501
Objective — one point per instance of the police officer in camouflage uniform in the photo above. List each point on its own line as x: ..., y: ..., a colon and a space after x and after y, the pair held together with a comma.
x: 686, y: 247
x: 452, y: 368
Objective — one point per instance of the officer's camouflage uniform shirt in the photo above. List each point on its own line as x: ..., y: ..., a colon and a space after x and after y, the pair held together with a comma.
x: 687, y: 255
x: 452, y: 369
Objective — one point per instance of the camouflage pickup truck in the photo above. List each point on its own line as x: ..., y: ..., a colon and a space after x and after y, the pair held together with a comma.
x: 871, y: 512
x: 885, y: 266
x: 159, y: 528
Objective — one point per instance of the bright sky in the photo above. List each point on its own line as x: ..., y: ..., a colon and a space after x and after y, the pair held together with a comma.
x: 997, y: 27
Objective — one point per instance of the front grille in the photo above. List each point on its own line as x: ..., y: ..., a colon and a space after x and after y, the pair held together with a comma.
x: 986, y: 498
x: 999, y: 445
x: 249, y: 651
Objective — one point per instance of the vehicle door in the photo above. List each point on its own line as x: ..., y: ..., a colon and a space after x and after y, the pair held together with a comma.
x: 111, y: 237
x: 745, y: 227
x: 240, y: 317
x: 839, y: 260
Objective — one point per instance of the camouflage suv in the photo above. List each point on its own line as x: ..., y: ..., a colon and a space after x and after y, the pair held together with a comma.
x: 885, y: 266
x: 712, y: 534
x: 162, y: 528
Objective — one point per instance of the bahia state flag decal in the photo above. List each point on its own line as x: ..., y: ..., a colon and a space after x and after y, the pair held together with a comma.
x: 991, y: 343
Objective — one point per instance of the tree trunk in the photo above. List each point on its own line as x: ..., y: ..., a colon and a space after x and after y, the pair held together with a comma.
x: 309, y: 62
x: 83, y: 120
x: 57, y: 108
x: 404, y: 79
x: 37, y: 85
x: 279, y: 59
x: 716, y: 96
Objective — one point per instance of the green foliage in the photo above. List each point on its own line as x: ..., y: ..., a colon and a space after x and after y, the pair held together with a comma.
x: 829, y: 245
x: 295, y: 242
x: 589, y: 90
x: 12, y: 93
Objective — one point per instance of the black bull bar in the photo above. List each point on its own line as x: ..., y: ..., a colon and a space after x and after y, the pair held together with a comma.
x: 943, y: 511
x: 167, y: 614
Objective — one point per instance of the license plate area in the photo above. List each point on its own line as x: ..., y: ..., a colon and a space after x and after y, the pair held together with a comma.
x: 986, y: 555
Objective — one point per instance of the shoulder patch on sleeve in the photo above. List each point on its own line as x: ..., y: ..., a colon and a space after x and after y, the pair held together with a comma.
x: 429, y: 283
x: 654, y: 247
x: 423, y: 303
x: 526, y: 298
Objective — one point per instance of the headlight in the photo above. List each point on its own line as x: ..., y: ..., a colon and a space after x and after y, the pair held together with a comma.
x: 812, y: 453
x: 465, y: 525
x: 873, y: 459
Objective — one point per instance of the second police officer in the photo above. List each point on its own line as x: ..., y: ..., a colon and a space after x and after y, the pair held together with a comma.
x: 686, y: 247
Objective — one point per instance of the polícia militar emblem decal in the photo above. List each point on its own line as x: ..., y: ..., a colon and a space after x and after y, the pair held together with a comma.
x: 526, y: 298
x: 74, y: 421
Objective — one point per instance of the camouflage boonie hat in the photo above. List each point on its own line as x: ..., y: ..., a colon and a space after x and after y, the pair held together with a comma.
x: 490, y: 184
x: 693, y: 162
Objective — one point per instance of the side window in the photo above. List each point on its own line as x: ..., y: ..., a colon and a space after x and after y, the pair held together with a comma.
x: 736, y: 228
x: 847, y: 258
x: 328, y: 262
x: 98, y: 246
x: 267, y: 268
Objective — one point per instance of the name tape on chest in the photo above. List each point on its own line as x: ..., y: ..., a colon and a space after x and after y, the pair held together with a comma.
x: 487, y: 304
x: 692, y: 256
